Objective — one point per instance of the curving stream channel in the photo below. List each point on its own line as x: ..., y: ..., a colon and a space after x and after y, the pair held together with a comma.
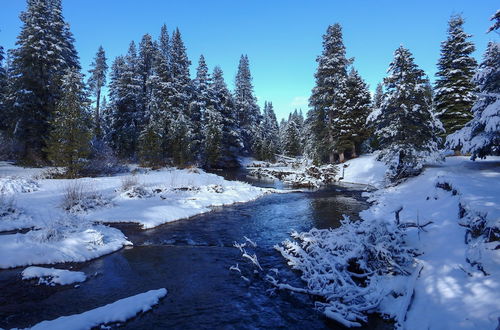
x: 191, y: 258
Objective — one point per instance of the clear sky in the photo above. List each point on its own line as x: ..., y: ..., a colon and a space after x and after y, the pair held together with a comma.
x: 281, y: 37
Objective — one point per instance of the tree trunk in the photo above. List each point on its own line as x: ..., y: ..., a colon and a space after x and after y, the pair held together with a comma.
x: 341, y: 157
x: 353, y: 152
x: 97, y: 115
x: 332, y: 157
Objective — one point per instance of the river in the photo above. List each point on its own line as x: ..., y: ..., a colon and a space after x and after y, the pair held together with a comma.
x: 191, y: 259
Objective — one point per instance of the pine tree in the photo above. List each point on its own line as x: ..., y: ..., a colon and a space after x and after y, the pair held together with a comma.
x: 231, y: 143
x: 481, y: 136
x: 378, y: 97
x: 145, y: 65
x: 329, y: 95
x: 3, y: 93
x: 180, y: 91
x: 151, y: 139
x: 247, y: 110
x: 44, y: 51
x: 496, y: 22
x: 69, y: 140
x: 96, y: 82
x: 212, y: 136
x: 124, y: 89
x: 292, y: 136
x: 266, y: 144
x: 351, y: 123
x: 406, y: 128
x: 203, y: 99
x: 454, y: 89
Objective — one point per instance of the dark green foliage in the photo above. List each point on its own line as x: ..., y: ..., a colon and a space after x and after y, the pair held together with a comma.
x: 44, y: 51
x: 406, y: 128
x: 247, y: 110
x: 69, y: 140
x: 454, y: 89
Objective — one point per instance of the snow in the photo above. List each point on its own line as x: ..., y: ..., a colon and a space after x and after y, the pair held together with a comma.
x: 71, y: 229
x: 450, y: 292
x: 53, y: 276
x: 119, y: 311
x: 365, y: 169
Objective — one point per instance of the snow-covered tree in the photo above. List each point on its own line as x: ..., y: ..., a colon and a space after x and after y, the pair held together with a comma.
x: 203, y: 99
x: 125, y: 86
x: 454, y: 90
x: 292, y: 136
x: 180, y: 139
x: 69, y: 140
x: 212, y: 136
x: 351, y: 128
x: 481, y: 136
x: 406, y: 128
x: 378, y: 97
x: 96, y: 82
x: 266, y: 144
x: 44, y: 51
x: 329, y: 95
x: 496, y: 22
x: 224, y: 104
x: 247, y: 110
x: 145, y: 64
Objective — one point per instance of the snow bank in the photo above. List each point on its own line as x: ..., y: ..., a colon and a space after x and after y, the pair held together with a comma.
x: 119, y: 311
x: 365, y: 169
x: 59, y: 244
x: 452, y: 291
x: 52, y: 276
x: 169, y: 195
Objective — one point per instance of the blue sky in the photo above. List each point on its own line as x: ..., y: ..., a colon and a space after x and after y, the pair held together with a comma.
x: 282, y: 38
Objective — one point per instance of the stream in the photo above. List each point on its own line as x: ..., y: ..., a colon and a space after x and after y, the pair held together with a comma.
x: 191, y: 259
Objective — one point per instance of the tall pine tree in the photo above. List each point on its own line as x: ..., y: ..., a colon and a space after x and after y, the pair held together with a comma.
x: 44, y: 51
x: 224, y: 103
x: 406, y: 128
x: 69, y: 140
x: 481, y: 136
x: 329, y: 95
x: 454, y: 89
x: 247, y: 110
x: 96, y: 82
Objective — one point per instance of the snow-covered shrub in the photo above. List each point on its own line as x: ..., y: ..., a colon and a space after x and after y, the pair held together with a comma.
x: 57, y: 229
x: 132, y: 188
x: 351, y: 267
x: 80, y: 197
x: 128, y: 182
x: 12, y: 185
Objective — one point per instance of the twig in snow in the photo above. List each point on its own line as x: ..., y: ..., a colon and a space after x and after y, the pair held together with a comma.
x: 252, y: 258
x: 235, y: 268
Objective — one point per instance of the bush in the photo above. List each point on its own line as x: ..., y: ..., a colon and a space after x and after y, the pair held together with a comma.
x: 102, y: 161
x: 80, y: 197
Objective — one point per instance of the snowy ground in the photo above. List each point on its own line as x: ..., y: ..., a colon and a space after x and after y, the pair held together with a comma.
x: 70, y: 229
x: 53, y: 276
x: 458, y: 286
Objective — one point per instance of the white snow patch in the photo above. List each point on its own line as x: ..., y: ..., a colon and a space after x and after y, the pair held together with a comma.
x: 53, y: 276
x: 119, y: 311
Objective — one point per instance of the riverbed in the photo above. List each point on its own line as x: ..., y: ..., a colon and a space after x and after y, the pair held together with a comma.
x: 191, y: 258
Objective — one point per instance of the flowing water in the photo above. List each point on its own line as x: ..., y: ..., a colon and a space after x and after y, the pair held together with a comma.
x: 191, y: 259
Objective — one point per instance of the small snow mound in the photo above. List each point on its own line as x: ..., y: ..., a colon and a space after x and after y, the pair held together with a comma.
x: 13, y: 185
x: 119, y: 311
x: 53, y: 276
